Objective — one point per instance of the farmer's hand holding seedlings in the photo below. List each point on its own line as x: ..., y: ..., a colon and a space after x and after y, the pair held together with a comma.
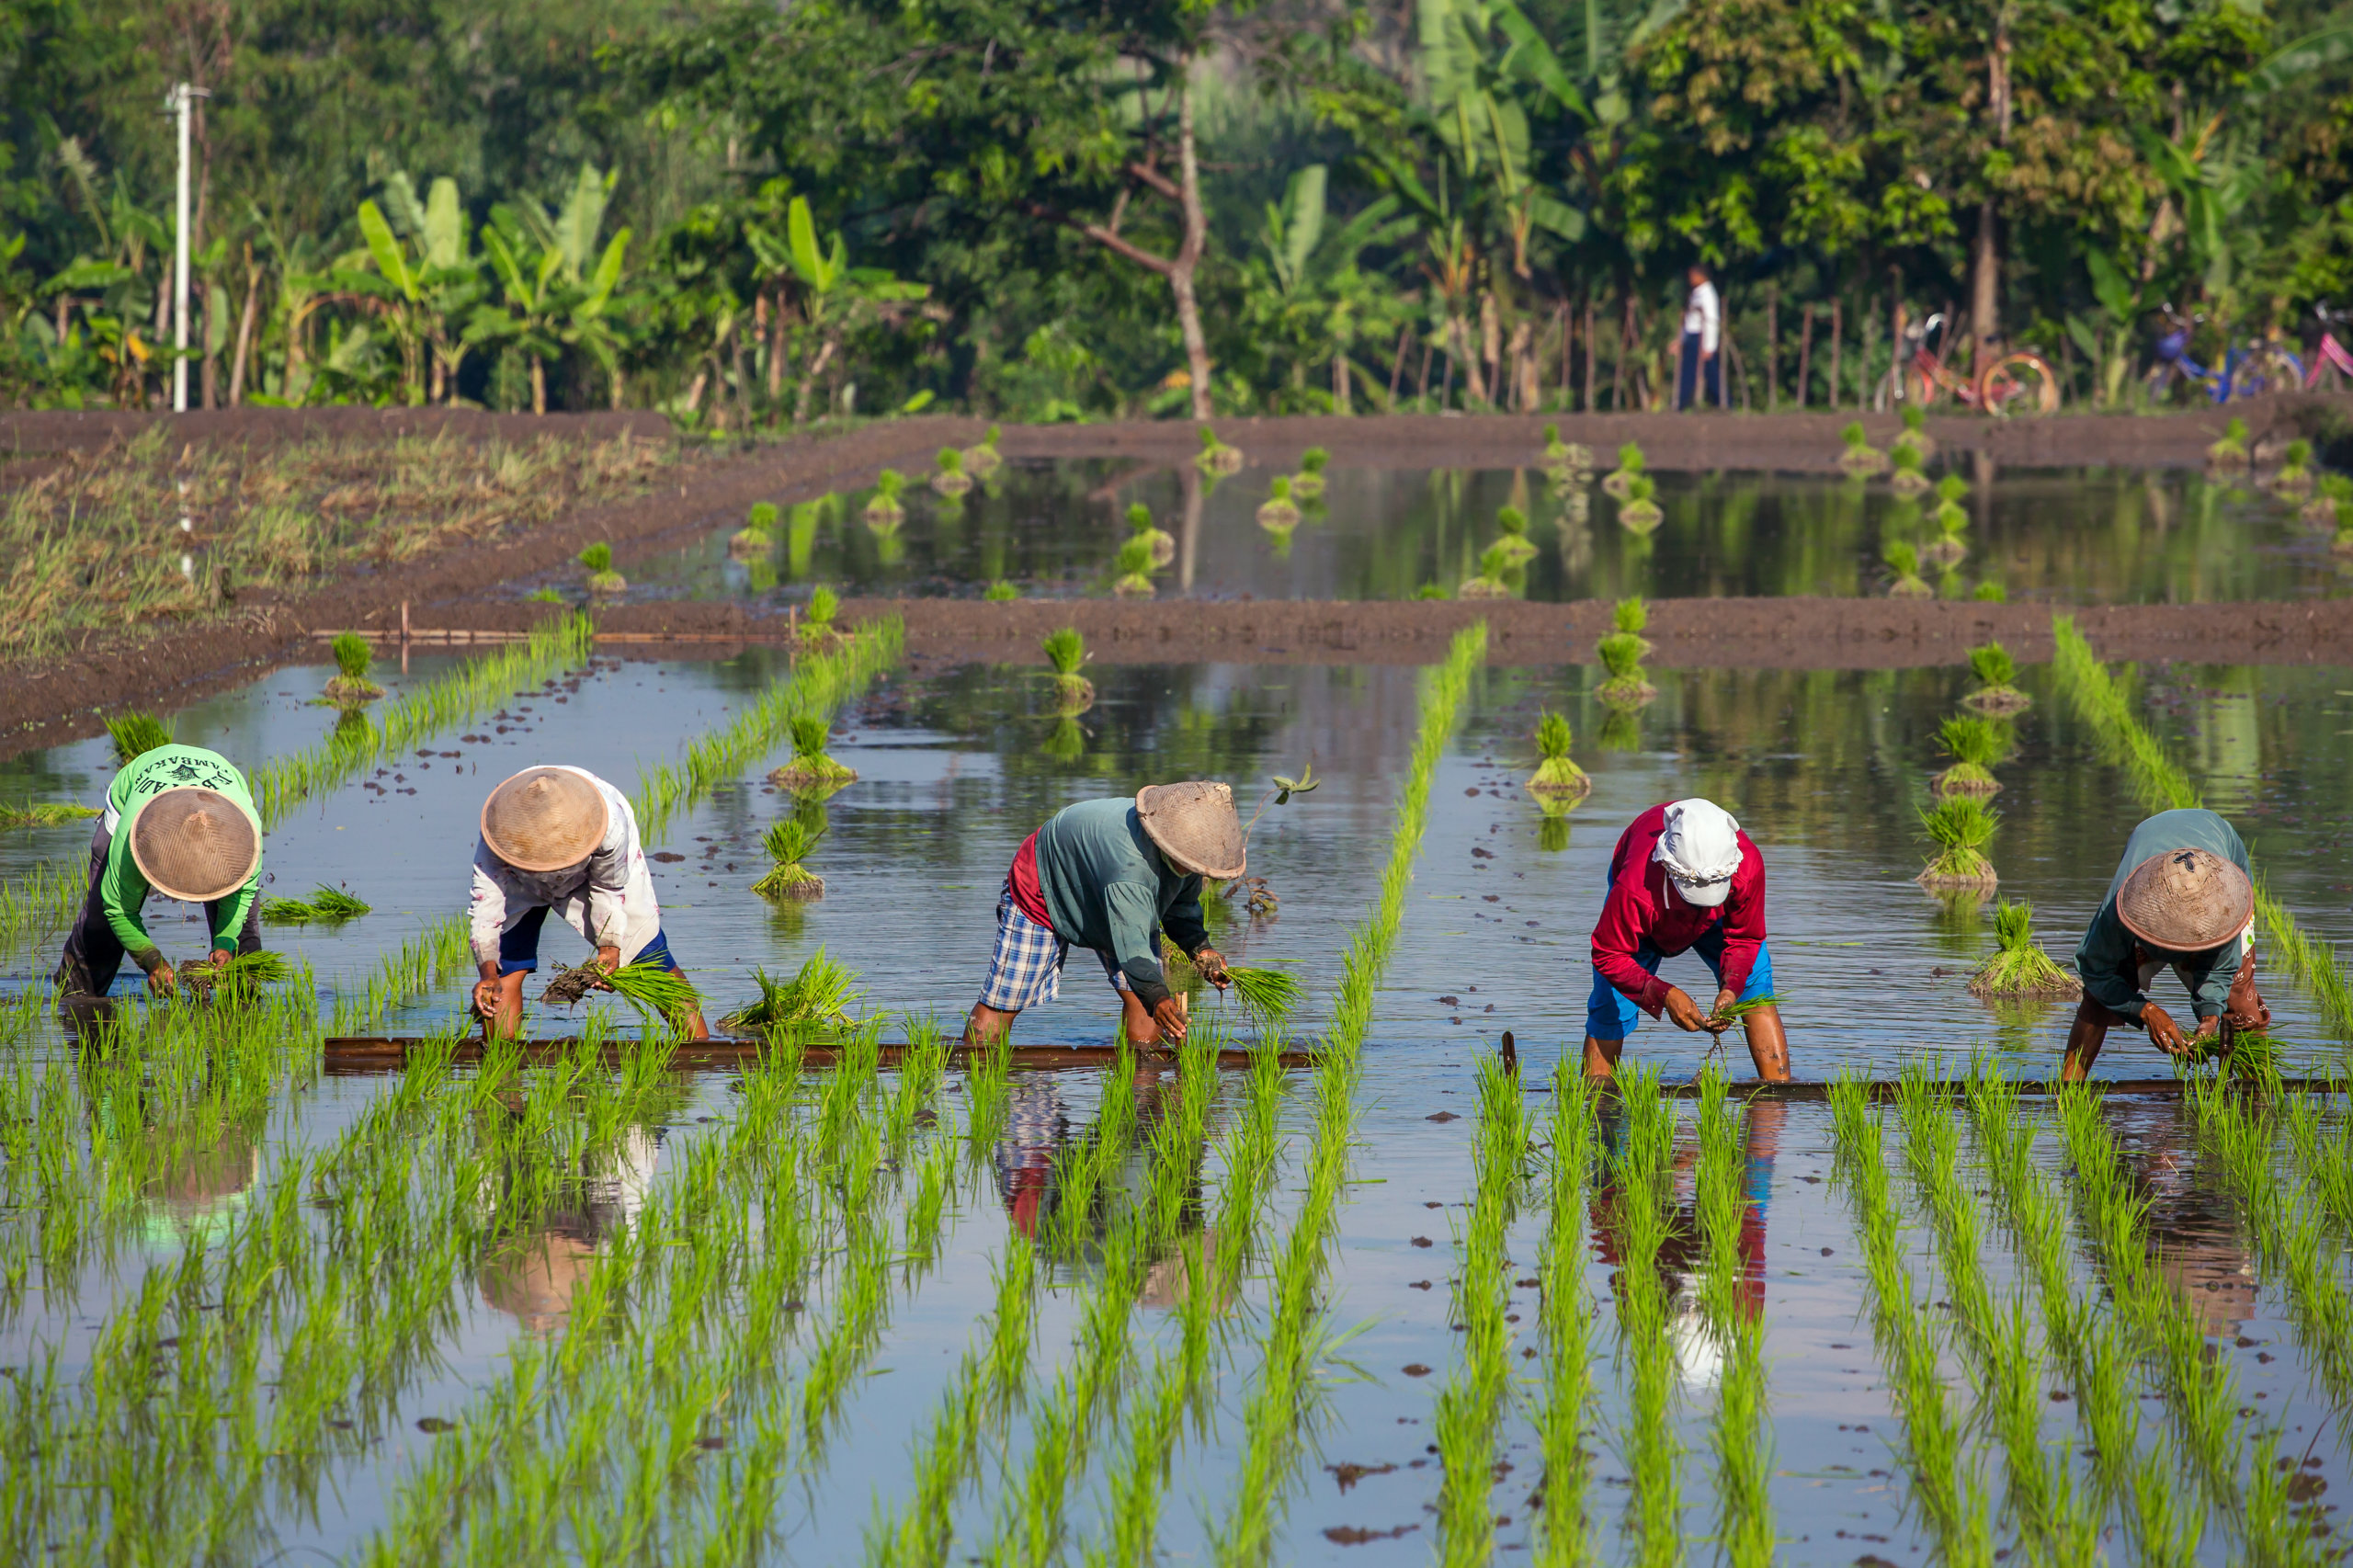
x: 1210, y: 965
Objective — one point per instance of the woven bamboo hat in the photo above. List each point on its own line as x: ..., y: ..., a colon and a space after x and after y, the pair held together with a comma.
x: 544, y: 819
x: 2185, y: 901
x: 1195, y: 825
x: 195, y: 845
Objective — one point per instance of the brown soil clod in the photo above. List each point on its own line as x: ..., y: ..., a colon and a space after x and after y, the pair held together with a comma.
x: 1358, y: 1535
x: 1348, y: 1474
x: 573, y: 984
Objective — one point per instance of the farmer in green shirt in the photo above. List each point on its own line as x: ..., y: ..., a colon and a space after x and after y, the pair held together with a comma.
x: 1111, y: 876
x: 2183, y: 897
x: 178, y: 821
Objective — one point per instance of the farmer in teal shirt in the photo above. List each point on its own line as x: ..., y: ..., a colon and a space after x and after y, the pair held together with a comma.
x: 2183, y: 898
x: 178, y: 821
x: 1111, y: 876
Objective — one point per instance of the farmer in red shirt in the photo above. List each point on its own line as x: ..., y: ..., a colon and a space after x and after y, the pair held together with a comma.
x: 1683, y: 879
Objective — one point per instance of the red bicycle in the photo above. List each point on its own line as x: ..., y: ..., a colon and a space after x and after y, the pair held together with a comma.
x: 2020, y: 382
x: 2330, y: 354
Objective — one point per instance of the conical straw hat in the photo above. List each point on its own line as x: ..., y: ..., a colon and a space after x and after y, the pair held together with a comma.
x: 2185, y: 901
x: 544, y: 819
x: 1194, y: 826
x: 195, y: 845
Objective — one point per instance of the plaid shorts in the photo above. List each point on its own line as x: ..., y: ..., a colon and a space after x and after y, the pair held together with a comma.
x: 1026, y: 967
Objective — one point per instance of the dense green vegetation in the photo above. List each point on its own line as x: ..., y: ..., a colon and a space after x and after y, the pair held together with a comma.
x: 745, y: 213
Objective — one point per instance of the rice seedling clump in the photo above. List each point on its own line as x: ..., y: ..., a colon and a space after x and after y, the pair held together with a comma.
x: 328, y: 905
x: 757, y: 535
x: 1134, y: 566
x: 602, y: 578
x: 1995, y: 669
x: 1619, y: 481
x: 654, y: 988
x: 1910, y: 475
x: 1557, y: 775
x: 948, y: 475
x: 2230, y: 452
x: 817, y: 998
x: 2020, y: 967
x: 1621, y: 655
x: 1001, y: 592
x: 787, y: 842
x: 350, y: 685
x: 884, y: 508
x: 1861, y: 457
x: 1269, y: 995
x: 1493, y: 579
x: 1975, y: 744
x: 1215, y: 456
x: 1960, y: 826
x: 136, y: 734
x: 1915, y: 433
x: 983, y: 460
x: 810, y: 768
x: 2295, y: 473
x: 817, y: 618
x: 1066, y: 652
x: 44, y: 814
x: 1512, y: 523
x: 1641, y: 512
x: 1140, y: 526
x: 1307, y: 482
x: 1903, y: 565
x: 1279, y: 510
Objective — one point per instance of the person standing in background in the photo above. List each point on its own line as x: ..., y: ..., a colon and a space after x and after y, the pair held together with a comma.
x: 1701, y: 371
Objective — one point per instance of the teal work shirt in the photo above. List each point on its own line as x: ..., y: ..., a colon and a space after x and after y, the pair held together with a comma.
x: 123, y: 887
x: 1108, y: 887
x: 2108, y: 957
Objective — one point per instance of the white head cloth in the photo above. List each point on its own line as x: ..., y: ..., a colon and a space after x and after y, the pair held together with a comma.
x: 1701, y: 850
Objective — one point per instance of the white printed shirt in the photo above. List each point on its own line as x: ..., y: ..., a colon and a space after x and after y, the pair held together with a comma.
x: 1704, y: 315
x: 608, y: 898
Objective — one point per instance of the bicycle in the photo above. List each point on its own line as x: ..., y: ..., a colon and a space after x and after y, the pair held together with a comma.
x: 2018, y: 382
x: 2329, y: 354
x: 2245, y: 372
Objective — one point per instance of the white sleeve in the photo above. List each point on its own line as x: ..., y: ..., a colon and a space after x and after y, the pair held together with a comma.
x: 608, y: 871
x: 487, y: 909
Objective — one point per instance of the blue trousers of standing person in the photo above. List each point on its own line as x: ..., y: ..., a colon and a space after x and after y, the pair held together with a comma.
x: 1688, y: 376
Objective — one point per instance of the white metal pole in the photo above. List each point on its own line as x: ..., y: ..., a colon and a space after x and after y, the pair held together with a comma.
x: 181, y: 98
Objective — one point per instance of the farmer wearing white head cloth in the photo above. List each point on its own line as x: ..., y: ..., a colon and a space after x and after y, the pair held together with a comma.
x: 1683, y: 879
x: 2183, y: 897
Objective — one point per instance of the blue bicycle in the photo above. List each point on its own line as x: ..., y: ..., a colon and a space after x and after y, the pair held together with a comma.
x: 2245, y: 372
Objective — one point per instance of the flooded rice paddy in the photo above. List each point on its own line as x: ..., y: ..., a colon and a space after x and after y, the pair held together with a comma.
x: 1389, y: 1307
x: 2106, y: 536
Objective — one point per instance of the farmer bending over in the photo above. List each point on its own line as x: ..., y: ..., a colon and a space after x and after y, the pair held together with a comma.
x: 559, y: 838
x: 178, y: 821
x: 1683, y: 879
x: 1110, y: 875
x: 2184, y: 896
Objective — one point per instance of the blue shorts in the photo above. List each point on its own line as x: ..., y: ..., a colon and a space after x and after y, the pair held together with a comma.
x: 1610, y: 1014
x: 518, y: 945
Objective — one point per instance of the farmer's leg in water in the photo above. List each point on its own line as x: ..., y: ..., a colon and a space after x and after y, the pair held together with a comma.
x: 93, y: 953
x: 1163, y: 1024
x: 1610, y: 1015
x: 1768, y: 1043
x: 658, y: 951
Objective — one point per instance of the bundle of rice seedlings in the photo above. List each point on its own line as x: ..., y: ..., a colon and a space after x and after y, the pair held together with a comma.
x: 882, y: 508
x: 1975, y: 744
x: 1631, y: 462
x: 327, y: 904
x: 788, y: 842
x: 1269, y: 995
x: 2330, y: 491
x: 1513, y: 524
x: 1215, y: 456
x: 1991, y: 592
x: 1492, y: 581
x: 1639, y: 512
x: 1904, y: 560
x: 1279, y: 510
x: 1915, y: 433
x: 817, y: 618
x: 1910, y: 476
x: 602, y: 578
x: 1621, y: 655
x: 811, y: 769
x: 757, y: 535
x: 2020, y: 967
x: 1960, y: 826
x: 1307, y: 482
x: 2254, y: 1058
x: 1995, y: 670
x: 2295, y: 474
x: 1556, y: 451
x: 1630, y: 615
x: 1066, y: 652
x: 1432, y: 591
x: 44, y: 814
x: 983, y: 460
x: 1556, y: 775
x: 136, y: 734
x: 1140, y: 526
x: 1860, y: 458
x: 948, y: 475
x: 655, y: 990
x: 237, y: 978
x: 1066, y: 741
x: 1134, y: 566
x: 818, y: 997
x: 350, y: 685
x: 2231, y: 450
x: 1622, y: 729
x: 1001, y: 592
x: 1948, y: 549
x: 1950, y: 515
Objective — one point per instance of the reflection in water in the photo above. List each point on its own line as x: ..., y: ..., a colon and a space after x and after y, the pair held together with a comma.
x: 2195, y: 1235
x: 1683, y: 1252
x: 548, y: 1248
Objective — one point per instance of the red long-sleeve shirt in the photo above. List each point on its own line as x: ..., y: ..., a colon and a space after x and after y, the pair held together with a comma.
x: 1643, y: 908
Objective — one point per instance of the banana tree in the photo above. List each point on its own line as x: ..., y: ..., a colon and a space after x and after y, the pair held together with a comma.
x: 432, y: 277
x: 524, y: 316
x: 1305, y: 294
x: 833, y: 292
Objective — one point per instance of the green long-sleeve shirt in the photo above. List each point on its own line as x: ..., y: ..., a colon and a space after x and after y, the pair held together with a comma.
x: 1108, y: 887
x: 2106, y: 958
x: 122, y: 886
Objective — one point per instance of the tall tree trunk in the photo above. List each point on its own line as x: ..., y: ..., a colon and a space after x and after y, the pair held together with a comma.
x: 1837, y: 324
x: 1189, y: 254
x: 1772, y: 345
x: 1805, y: 357
x: 1984, y: 283
x: 245, y: 332
x: 539, y: 385
x: 1589, y: 349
